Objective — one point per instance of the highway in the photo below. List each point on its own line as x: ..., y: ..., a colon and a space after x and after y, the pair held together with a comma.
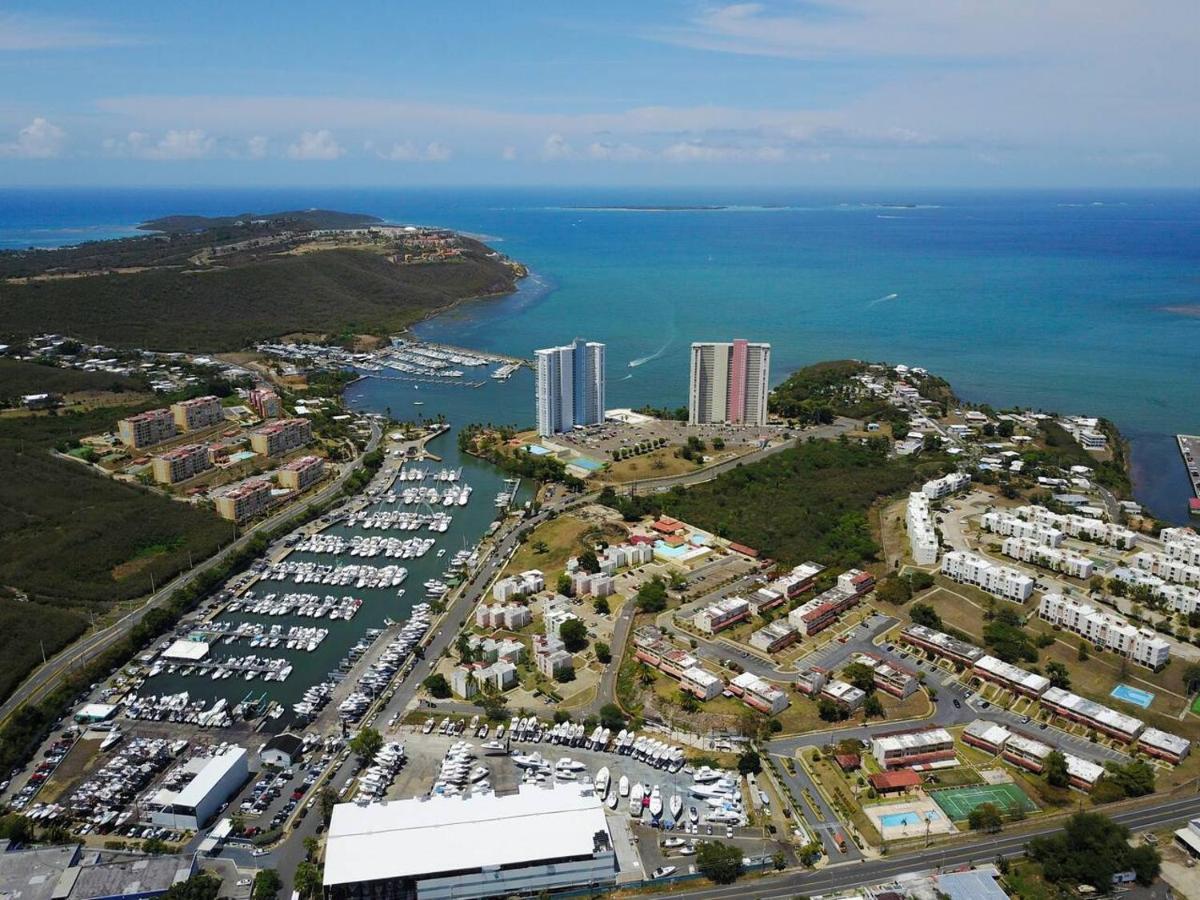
x: 850, y: 875
x: 45, y: 679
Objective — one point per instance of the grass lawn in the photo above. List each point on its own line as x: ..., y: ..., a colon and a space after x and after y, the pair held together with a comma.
x: 1024, y: 880
x: 658, y: 463
x: 564, y: 537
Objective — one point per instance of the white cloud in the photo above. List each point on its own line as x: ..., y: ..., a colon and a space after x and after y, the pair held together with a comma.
x: 256, y: 147
x: 26, y: 32
x: 509, y: 153
x: 176, y: 144
x: 410, y: 152
x: 556, y: 147
x: 619, y: 152
x: 40, y: 139
x: 699, y: 151
x: 318, y: 145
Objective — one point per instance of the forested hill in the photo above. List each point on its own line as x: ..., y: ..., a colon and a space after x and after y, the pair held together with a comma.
x: 230, y: 285
x: 298, y: 219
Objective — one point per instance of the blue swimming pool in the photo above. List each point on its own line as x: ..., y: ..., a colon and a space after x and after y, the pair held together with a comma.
x: 1133, y: 695
x: 907, y: 818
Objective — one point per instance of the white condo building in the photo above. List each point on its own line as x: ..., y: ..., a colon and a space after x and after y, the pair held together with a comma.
x: 570, y: 386
x: 921, y: 534
x: 1003, y: 581
x: 729, y: 383
x: 1106, y: 630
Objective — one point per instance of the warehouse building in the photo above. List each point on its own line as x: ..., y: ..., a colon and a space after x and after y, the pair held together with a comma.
x: 432, y: 848
x: 214, y: 780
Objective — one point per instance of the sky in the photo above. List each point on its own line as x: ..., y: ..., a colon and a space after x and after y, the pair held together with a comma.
x: 955, y: 93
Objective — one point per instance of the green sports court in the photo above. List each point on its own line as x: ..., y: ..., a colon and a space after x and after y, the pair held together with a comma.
x: 957, y: 803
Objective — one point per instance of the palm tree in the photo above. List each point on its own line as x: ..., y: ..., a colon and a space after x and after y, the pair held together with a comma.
x: 645, y: 676
x: 307, y: 881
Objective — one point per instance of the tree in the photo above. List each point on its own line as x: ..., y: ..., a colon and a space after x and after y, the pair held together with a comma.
x: 894, y: 589
x: 366, y: 743
x: 199, y: 887
x: 307, y: 881
x: 1134, y: 778
x: 985, y: 817
x: 861, y: 676
x: 16, y: 828
x: 600, y: 605
x: 327, y: 800
x: 645, y: 674
x: 1058, y: 674
x: 1082, y: 655
x: 749, y: 763
x: 588, y: 562
x: 1089, y: 849
x: 1056, y: 770
x: 565, y: 675
x: 611, y: 717
x: 573, y: 634
x: 920, y: 580
x: 267, y: 885
x: 652, y: 596
x: 872, y: 707
x: 312, y: 844
x: 154, y: 846
x: 719, y: 862
x: 687, y: 701
x: 924, y: 614
x: 437, y: 685
x: 603, y: 652
x: 1191, y: 677
x: 564, y: 584
x: 541, y: 547
x: 830, y: 711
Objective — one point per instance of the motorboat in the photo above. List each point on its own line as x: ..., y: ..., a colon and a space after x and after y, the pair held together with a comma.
x: 494, y: 748
x: 602, y: 779
x: 656, y: 803
x: 676, y: 807
x: 623, y: 786
x: 635, y: 799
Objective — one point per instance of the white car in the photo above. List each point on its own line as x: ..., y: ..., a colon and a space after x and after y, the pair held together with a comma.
x: 245, y: 882
x: 260, y: 852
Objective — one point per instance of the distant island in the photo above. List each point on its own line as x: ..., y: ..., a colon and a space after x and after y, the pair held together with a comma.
x: 210, y: 284
x: 302, y: 219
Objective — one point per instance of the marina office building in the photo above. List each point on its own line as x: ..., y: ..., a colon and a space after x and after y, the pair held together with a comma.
x: 541, y: 839
x: 570, y: 386
x: 729, y: 383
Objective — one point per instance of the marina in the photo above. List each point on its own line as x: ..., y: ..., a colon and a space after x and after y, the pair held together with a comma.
x: 1189, y: 448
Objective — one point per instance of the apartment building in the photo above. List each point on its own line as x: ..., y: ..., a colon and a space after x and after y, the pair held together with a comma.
x: 624, y: 556
x: 1010, y: 677
x: 555, y: 618
x: 147, y: 428
x: 729, y: 383
x: 197, y: 413
x: 1093, y: 715
x: 281, y: 437
x: 1082, y: 527
x: 946, y: 485
x: 722, y: 614
x: 1105, y: 630
x: 1002, y: 581
x: 1164, y: 745
x: 989, y: 737
x: 889, y: 677
x: 919, y: 749
x: 523, y: 584
x: 941, y: 644
x: 824, y: 609
x: 651, y: 648
x: 302, y: 473
x: 585, y: 584
x: 570, y: 386
x: 1168, y: 568
x: 1048, y: 557
x: 247, y: 500
x: 922, y: 537
x: 1182, y: 544
x: 181, y: 463
x: 553, y: 662
x: 511, y: 616
x: 1180, y: 597
x: 775, y: 636
x: 266, y: 403
x: 759, y: 693
x: 1009, y: 525
x: 844, y: 694
x: 701, y: 684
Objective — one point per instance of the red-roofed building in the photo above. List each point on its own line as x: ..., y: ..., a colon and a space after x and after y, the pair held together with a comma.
x: 1194, y: 506
x: 848, y: 762
x: 744, y: 550
x: 667, y: 525
x: 897, y: 782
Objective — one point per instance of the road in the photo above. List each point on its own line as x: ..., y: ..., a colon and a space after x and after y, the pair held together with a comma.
x: 46, y: 678
x: 851, y: 875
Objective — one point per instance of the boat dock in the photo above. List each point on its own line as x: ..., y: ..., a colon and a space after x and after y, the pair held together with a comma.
x: 1189, y: 448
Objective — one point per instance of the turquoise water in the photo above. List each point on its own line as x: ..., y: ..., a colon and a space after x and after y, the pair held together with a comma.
x: 1081, y: 301
x: 585, y: 462
x: 907, y: 818
x: 1133, y: 695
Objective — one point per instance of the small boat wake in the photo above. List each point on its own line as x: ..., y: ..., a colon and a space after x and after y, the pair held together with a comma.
x: 883, y: 299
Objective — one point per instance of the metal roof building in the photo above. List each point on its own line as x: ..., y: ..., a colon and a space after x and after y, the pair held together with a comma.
x: 540, y: 839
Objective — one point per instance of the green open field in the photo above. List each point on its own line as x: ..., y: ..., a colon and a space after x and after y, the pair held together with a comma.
x: 957, y: 802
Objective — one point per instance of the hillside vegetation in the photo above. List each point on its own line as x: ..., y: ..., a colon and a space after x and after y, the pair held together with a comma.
x: 225, y: 309
x: 18, y: 378
x: 821, y: 392
x: 807, y: 502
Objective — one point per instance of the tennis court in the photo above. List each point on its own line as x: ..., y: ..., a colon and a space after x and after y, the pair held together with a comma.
x: 957, y: 803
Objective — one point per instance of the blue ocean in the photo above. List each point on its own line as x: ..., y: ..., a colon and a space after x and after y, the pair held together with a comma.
x: 1085, y: 301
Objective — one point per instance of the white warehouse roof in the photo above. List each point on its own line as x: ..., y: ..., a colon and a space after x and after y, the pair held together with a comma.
x: 209, y: 772
x: 427, y: 836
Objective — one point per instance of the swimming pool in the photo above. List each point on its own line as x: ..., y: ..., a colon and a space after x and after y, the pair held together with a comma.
x: 242, y: 455
x: 1133, y: 695
x: 891, y: 820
